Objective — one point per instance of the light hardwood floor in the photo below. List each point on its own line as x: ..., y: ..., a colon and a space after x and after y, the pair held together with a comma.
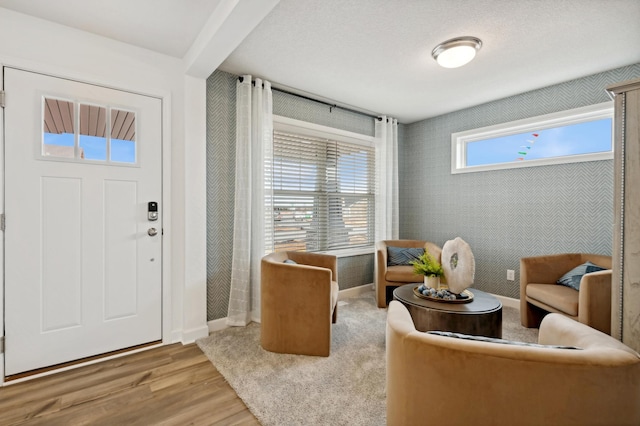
x: 170, y: 385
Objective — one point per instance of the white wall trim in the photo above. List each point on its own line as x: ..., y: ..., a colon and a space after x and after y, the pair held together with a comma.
x: 2, y: 245
x: 355, y: 291
x: 191, y: 335
x: 195, y: 228
x: 509, y: 302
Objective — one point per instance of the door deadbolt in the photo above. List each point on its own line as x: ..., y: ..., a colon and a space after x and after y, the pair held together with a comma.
x: 152, y: 211
x: 152, y: 232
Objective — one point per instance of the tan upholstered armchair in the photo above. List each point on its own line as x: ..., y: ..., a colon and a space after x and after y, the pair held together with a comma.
x: 439, y: 380
x: 389, y: 277
x: 539, y: 293
x: 298, y: 302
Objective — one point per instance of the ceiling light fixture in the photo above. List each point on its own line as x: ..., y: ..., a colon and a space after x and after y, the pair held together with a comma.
x: 456, y: 52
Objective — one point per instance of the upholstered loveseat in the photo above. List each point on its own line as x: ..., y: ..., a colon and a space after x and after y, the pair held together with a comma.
x: 440, y: 380
x: 540, y: 293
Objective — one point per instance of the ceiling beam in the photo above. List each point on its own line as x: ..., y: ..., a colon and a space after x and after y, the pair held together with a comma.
x: 225, y: 29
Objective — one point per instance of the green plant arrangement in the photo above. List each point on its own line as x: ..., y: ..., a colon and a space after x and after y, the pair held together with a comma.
x: 427, y: 265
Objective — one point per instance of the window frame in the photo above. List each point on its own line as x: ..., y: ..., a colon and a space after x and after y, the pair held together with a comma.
x: 286, y: 124
x: 460, y: 140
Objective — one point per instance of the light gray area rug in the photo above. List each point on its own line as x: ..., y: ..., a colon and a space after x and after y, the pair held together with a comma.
x: 346, y: 388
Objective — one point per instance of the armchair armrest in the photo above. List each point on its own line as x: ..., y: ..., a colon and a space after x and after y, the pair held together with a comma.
x: 594, y: 300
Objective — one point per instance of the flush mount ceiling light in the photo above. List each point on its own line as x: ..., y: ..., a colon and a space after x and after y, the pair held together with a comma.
x: 456, y: 52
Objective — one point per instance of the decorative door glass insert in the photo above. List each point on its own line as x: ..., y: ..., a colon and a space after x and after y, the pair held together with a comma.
x: 75, y: 131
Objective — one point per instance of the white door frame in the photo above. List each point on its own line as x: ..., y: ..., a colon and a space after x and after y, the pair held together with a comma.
x: 169, y: 335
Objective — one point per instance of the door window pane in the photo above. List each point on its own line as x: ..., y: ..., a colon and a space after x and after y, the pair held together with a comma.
x: 58, y: 128
x: 123, y: 136
x: 93, y: 141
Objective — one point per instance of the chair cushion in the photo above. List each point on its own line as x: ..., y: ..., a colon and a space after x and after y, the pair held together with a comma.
x: 564, y: 299
x: 573, y: 277
x: 402, y: 255
x: 402, y: 274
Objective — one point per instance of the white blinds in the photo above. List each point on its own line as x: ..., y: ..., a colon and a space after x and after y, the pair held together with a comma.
x: 323, y: 193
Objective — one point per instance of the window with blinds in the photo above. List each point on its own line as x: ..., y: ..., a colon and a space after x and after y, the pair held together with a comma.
x: 323, y: 193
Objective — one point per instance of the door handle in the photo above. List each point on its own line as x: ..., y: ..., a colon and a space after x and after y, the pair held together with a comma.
x: 152, y: 232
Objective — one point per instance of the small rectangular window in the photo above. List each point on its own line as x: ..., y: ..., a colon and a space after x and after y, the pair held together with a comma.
x: 582, y: 134
x: 95, y: 134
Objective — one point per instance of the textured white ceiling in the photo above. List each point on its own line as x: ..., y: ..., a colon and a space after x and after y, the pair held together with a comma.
x: 376, y: 54
x: 165, y: 26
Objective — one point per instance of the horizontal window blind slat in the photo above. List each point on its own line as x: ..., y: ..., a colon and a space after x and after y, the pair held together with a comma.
x: 323, y: 193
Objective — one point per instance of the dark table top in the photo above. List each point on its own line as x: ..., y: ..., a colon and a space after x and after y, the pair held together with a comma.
x: 482, y: 302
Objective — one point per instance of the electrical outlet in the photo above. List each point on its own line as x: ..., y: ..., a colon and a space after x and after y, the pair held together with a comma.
x: 511, y: 275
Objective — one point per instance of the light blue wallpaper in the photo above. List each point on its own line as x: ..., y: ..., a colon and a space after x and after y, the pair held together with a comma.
x: 221, y: 107
x: 221, y: 157
x: 508, y: 214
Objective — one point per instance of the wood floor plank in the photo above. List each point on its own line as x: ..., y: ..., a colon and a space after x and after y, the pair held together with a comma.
x: 168, y: 385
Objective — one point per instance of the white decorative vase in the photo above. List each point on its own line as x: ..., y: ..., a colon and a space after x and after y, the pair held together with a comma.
x: 432, y: 282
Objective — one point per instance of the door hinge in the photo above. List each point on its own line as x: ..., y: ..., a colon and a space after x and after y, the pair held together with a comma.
x: 2, y: 222
x: 2, y: 345
x: 2, y: 98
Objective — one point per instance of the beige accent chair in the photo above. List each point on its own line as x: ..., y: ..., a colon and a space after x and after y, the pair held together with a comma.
x: 439, y: 380
x: 390, y: 277
x: 298, y: 302
x: 539, y: 293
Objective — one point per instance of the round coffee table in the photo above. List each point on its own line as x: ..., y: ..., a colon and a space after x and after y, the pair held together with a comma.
x: 482, y: 316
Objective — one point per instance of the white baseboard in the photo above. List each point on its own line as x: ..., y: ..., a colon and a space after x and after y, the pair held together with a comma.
x: 217, y: 324
x: 190, y: 336
x: 355, y: 291
x: 509, y: 302
x: 221, y: 323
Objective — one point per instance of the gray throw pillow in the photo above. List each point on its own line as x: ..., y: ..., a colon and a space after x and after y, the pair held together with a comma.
x: 402, y: 255
x: 573, y: 277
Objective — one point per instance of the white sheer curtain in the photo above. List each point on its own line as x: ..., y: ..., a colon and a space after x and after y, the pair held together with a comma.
x: 386, y: 143
x: 252, y: 211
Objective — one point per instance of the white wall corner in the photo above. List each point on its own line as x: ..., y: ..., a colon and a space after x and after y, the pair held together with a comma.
x: 195, y: 261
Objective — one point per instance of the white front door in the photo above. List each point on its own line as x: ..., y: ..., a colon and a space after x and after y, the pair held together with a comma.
x: 82, y: 262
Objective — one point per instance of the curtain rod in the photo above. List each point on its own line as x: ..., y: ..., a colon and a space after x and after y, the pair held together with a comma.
x: 331, y: 106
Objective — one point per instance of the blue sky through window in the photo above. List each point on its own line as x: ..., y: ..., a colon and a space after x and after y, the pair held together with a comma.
x: 582, y: 138
x: 95, y: 147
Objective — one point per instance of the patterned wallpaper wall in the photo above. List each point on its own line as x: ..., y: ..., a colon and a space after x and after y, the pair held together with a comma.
x: 508, y: 214
x: 221, y: 108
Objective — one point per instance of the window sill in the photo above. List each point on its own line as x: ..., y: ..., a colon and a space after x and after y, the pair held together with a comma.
x: 350, y: 252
